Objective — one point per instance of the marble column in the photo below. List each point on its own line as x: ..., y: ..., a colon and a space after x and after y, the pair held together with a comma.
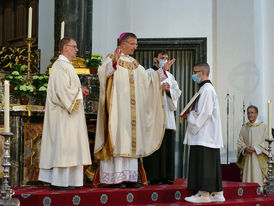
x: 77, y: 15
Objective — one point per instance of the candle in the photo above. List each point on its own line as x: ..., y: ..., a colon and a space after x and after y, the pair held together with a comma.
x: 269, y: 112
x: 30, y: 22
x: 62, y: 30
x: 7, y: 106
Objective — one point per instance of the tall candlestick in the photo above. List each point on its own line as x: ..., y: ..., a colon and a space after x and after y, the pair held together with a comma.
x: 269, y: 109
x: 62, y: 30
x: 7, y: 106
x: 30, y: 22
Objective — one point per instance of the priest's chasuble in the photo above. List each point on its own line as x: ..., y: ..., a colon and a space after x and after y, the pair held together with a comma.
x: 131, y: 116
x: 64, y: 139
x: 253, y: 166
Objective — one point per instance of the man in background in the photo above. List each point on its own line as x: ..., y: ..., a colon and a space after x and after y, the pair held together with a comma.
x: 252, y: 149
x: 160, y: 165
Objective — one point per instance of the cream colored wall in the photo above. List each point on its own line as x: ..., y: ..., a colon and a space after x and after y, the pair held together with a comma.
x: 239, y: 35
x: 243, y: 61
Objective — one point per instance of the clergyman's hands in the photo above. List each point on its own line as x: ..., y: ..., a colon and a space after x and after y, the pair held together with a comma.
x: 165, y: 86
x: 85, y: 91
x: 117, y: 54
x: 249, y: 150
x: 168, y: 64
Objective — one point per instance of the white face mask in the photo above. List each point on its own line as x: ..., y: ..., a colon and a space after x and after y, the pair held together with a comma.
x: 162, y: 63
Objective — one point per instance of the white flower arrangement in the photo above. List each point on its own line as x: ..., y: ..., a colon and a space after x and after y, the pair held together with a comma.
x: 24, y: 90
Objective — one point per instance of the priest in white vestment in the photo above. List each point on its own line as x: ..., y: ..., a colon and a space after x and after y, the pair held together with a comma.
x: 252, y: 149
x: 65, y: 145
x: 131, y: 116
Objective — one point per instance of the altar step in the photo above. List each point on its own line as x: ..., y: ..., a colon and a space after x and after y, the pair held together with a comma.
x: 236, y: 193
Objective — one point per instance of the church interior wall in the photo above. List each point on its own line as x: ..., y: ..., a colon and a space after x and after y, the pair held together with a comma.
x: 239, y: 44
x: 243, y: 60
x: 46, y: 33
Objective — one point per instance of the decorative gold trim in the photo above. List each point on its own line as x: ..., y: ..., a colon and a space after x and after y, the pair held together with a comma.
x: 249, y: 124
x: 78, y: 70
x: 76, y: 106
x: 128, y: 65
x: 74, y: 102
x: 132, y: 111
x: 15, y: 55
x: 105, y: 151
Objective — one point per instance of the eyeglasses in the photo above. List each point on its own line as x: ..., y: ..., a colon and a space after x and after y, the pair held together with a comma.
x: 75, y: 47
x: 195, y: 72
x: 132, y: 44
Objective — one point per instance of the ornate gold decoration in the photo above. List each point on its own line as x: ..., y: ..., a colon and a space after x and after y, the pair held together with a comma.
x: 128, y: 65
x: 132, y: 111
x: 78, y: 63
x: 32, y: 146
x: 33, y: 157
x: 29, y: 42
x: 13, y: 55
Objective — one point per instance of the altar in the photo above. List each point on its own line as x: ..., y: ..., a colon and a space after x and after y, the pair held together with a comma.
x: 26, y: 123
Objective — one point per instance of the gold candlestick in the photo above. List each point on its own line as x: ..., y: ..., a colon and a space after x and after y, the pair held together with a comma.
x: 29, y: 42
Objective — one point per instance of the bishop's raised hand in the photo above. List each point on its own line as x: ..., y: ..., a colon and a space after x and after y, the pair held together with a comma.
x: 168, y: 64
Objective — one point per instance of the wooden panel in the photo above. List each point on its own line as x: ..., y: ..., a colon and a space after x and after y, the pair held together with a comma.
x: 35, y: 7
x: 8, y: 19
x: 20, y: 19
x: 14, y: 22
x: 1, y: 22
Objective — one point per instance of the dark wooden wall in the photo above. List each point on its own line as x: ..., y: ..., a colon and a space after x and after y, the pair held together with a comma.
x: 14, y: 22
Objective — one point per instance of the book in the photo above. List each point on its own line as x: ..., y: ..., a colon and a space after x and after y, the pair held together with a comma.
x: 190, y: 103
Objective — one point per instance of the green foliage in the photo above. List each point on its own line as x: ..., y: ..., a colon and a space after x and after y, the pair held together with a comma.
x: 24, y: 90
x: 95, y: 61
x: 41, y: 84
x: 16, y: 76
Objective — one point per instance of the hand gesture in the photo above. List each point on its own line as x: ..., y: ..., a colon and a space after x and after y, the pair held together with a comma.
x: 168, y: 64
x: 249, y: 149
x: 85, y: 91
x: 117, y: 54
x: 165, y: 86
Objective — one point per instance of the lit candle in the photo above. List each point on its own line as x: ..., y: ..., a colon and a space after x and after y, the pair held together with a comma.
x: 269, y: 109
x: 7, y: 106
x: 62, y: 30
x: 30, y: 22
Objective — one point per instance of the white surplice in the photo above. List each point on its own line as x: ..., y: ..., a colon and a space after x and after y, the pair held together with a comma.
x: 204, y: 121
x: 170, y: 102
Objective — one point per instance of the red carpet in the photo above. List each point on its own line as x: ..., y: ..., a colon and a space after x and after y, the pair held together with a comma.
x: 236, y: 193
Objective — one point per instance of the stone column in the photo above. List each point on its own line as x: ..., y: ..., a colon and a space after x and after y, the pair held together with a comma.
x: 77, y: 15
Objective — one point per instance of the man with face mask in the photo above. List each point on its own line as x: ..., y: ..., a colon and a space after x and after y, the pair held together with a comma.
x: 204, y: 135
x: 160, y: 165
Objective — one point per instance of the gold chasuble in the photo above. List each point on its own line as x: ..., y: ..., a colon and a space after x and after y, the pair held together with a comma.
x: 64, y: 140
x: 253, y: 166
x: 131, y: 116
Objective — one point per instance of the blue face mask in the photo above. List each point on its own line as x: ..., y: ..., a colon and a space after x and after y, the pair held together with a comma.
x: 162, y: 63
x: 196, y: 78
